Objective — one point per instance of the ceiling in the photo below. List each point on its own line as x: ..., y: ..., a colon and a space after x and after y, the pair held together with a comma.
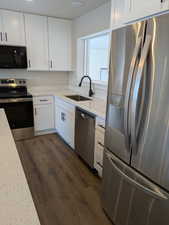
x: 57, y: 8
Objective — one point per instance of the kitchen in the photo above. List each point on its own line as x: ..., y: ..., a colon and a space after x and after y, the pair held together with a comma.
x: 71, y: 157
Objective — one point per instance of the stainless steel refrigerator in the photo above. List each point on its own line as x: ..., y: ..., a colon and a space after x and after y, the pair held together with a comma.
x: 136, y: 158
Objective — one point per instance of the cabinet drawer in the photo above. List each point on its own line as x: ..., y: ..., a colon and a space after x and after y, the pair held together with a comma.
x: 99, y: 154
x: 100, y: 137
x: 99, y: 170
x: 43, y: 100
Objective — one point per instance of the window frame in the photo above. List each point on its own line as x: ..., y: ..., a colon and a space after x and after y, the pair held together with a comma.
x: 86, y: 56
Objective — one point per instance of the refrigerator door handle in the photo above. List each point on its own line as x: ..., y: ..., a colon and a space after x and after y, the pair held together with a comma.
x: 128, y: 91
x: 135, y: 95
x: 148, y: 187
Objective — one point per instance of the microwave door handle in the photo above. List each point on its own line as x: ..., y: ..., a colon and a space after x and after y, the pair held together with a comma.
x: 136, y: 90
x: 128, y: 91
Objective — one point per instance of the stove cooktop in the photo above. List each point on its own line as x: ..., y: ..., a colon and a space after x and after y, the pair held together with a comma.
x: 15, y: 95
x: 13, y: 88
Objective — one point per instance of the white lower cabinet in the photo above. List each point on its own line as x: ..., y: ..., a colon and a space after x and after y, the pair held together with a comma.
x: 44, y: 114
x: 99, y: 145
x: 65, y: 121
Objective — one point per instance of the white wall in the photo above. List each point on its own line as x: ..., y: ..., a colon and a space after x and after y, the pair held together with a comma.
x: 36, y: 79
x: 93, y: 22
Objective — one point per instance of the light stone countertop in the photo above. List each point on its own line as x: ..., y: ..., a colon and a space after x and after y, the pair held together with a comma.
x: 96, y: 106
x: 16, y: 203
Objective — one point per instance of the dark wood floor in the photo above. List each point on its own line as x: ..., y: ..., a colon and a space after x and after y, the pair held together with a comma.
x: 65, y: 192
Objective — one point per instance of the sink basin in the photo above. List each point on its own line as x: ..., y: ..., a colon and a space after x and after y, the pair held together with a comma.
x: 78, y: 98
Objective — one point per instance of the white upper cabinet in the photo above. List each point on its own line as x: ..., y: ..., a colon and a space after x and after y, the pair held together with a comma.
x: 127, y: 11
x: 119, y: 10
x: 164, y: 5
x: 60, y: 42
x: 140, y: 9
x: 37, y: 42
x: 12, y: 30
x: 1, y: 28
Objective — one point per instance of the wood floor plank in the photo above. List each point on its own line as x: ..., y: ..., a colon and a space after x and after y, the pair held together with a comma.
x: 64, y: 190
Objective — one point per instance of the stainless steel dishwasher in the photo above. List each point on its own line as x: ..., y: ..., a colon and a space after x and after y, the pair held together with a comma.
x: 85, y: 136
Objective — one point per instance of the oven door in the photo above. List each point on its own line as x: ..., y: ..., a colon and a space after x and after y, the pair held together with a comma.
x: 19, y: 113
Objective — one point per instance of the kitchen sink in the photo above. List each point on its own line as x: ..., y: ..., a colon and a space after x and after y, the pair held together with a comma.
x: 78, y: 98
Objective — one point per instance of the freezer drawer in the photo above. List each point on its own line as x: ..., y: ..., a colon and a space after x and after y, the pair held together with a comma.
x: 85, y: 136
x: 128, y: 198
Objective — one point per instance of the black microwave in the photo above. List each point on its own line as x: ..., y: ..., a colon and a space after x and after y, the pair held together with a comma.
x: 13, y: 57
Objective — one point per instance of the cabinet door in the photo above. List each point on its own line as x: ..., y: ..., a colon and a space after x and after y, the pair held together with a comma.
x: 60, y: 121
x: 1, y: 28
x: 13, y: 27
x: 119, y: 11
x: 37, y: 42
x: 65, y: 124
x: 44, y: 117
x: 164, y: 5
x: 60, y: 44
x: 140, y: 9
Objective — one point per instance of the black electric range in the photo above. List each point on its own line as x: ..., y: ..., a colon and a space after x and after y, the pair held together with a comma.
x: 18, y: 106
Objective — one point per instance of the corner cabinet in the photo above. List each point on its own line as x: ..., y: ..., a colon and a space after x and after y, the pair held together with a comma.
x: 60, y: 42
x: 12, y: 30
x: 37, y: 42
x: 44, y: 120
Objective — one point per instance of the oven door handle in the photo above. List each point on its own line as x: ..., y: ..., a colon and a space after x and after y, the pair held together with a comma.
x: 16, y: 100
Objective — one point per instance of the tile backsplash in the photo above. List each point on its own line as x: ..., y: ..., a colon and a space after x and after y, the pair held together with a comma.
x: 37, y: 78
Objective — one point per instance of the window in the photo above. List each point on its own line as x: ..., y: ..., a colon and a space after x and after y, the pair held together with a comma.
x: 96, y: 57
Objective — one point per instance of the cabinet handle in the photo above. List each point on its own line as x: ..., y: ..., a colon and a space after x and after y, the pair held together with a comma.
x: 43, y: 100
x: 6, y: 36
x: 51, y: 64
x: 29, y: 63
x: 98, y: 163
x: 82, y: 115
x: 63, y: 115
x: 101, y: 126
x: 35, y: 112
x: 101, y: 144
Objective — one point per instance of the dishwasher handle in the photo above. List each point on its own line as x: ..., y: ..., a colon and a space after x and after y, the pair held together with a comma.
x: 82, y: 115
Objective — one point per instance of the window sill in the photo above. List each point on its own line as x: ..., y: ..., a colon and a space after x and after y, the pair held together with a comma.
x: 103, y: 83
